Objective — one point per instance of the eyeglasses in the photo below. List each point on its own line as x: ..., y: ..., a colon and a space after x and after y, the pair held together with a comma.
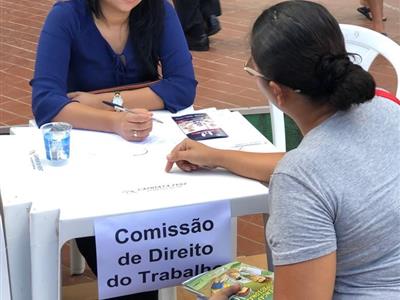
x: 250, y: 69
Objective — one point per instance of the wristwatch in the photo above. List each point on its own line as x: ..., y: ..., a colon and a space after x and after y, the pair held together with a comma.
x: 117, y: 99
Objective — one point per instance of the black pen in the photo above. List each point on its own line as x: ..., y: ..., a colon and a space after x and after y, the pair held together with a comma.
x: 121, y: 108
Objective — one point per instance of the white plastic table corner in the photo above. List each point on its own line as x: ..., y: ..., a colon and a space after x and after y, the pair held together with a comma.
x: 5, y: 293
x: 59, y: 201
x: 15, y: 206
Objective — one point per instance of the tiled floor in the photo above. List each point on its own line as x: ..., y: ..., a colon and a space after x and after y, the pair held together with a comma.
x: 222, y: 82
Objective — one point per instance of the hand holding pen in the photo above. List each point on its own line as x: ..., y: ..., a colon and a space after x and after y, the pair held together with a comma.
x: 124, y: 109
x: 135, y: 125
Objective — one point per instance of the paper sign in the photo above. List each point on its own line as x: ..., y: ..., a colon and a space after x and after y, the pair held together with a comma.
x: 151, y: 250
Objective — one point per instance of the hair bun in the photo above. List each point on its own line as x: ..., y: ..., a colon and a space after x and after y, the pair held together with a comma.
x: 331, y: 70
x: 343, y: 82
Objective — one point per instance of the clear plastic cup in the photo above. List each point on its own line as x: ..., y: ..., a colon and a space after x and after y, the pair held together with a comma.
x: 56, y: 137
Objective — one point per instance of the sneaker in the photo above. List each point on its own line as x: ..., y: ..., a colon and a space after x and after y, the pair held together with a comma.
x: 200, y: 43
x: 213, y: 25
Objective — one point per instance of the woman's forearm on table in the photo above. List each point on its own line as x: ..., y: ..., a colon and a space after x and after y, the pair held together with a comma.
x: 86, y: 117
x: 259, y: 166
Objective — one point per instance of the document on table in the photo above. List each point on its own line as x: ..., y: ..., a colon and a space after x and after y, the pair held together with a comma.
x: 240, y: 132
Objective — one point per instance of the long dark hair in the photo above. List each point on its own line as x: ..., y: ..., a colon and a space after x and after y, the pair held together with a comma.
x: 146, y: 22
x: 299, y: 44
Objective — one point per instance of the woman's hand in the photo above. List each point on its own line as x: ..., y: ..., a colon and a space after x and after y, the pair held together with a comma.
x: 93, y: 100
x: 225, y: 293
x: 190, y: 155
x: 135, y: 125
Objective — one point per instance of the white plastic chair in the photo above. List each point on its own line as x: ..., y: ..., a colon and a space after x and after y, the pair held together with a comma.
x: 368, y: 44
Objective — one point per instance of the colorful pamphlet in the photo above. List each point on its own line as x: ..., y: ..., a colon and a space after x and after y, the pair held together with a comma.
x: 199, y: 126
x: 256, y: 283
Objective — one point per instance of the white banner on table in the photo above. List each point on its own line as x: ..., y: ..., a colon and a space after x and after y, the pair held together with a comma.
x: 151, y: 250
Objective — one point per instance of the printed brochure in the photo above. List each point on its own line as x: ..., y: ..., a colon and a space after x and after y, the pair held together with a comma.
x: 256, y: 283
x: 199, y: 126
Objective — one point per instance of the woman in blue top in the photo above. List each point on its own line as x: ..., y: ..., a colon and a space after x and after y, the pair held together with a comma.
x: 97, y: 44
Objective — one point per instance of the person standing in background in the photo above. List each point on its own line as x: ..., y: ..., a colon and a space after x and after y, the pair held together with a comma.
x: 199, y: 19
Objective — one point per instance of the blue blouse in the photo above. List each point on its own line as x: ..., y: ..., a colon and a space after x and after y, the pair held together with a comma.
x: 72, y: 55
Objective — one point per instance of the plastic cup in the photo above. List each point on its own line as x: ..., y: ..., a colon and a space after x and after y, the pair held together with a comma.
x: 56, y: 137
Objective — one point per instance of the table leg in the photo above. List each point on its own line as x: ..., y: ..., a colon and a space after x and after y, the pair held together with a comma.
x: 16, y: 228
x: 77, y: 261
x: 4, y: 278
x: 45, y: 255
x: 234, y: 237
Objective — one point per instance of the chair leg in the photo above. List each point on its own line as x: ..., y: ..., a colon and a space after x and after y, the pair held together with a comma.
x: 267, y: 249
x: 167, y: 293
x: 77, y: 261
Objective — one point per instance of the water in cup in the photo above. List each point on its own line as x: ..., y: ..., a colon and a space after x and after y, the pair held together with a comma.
x: 57, y: 141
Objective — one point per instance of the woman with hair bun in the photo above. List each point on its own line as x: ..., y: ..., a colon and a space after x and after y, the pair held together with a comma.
x: 334, y: 226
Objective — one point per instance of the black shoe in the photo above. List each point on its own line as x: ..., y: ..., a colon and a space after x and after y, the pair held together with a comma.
x: 200, y: 43
x: 213, y: 25
x: 366, y: 12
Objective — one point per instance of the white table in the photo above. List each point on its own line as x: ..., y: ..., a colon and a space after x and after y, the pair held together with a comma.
x: 43, y: 210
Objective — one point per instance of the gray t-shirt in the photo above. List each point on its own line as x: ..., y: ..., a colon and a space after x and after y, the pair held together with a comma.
x: 340, y: 191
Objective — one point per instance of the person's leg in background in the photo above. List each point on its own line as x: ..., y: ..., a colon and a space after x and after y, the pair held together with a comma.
x: 211, y: 10
x: 87, y: 247
x: 191, y: 17
x: 376, y: 7
x: 365, y: 10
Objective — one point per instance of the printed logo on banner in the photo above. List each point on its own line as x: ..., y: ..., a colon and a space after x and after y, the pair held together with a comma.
x: 156, y: 249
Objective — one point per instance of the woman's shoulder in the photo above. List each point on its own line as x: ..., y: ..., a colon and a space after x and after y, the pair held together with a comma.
x: 67, y: 10
x: 69, y: 14
x: 292, y: 160
x: 308, y: 159
x: 71, y: 7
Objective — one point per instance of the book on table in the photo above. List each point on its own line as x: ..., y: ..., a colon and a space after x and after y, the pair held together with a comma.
x: 199, y: 126
x: 256, y: 283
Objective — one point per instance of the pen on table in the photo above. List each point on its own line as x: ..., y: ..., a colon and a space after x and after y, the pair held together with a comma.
x: 122, y: 108
x: 35, y: 160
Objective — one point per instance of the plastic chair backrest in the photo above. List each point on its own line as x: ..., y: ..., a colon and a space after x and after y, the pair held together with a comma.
x: 278, y: 128
x: 368, y: 44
